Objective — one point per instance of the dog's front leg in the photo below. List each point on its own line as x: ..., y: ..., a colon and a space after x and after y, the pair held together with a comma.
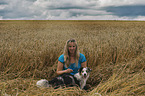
x: 82, y: 84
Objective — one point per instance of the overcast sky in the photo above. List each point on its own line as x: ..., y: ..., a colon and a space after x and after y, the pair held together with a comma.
x: 72, y: 10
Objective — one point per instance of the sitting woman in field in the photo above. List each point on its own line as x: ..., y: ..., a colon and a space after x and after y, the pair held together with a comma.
x: 68, y: 65
x: 71, y: 60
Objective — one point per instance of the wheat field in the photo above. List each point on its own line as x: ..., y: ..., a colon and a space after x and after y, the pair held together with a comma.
x: 115, y: 51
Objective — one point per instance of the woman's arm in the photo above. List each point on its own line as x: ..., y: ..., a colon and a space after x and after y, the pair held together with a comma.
x: 60, y: 69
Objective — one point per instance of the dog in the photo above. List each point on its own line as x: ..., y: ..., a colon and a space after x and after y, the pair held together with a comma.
x: 83, y: 76
x: 42, y: 83
x: 68, y: 80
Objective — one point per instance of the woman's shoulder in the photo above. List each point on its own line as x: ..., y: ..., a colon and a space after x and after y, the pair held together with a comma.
x: 82, y: 58
x: 61, y: 58
x: 82, y: 55
x: 62, y: 55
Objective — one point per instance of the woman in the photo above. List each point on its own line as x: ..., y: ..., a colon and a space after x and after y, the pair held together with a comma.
x: 68, y: 65
x: 71, y: 60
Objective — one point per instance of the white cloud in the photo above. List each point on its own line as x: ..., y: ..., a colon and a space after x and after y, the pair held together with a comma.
x: 52, y: 4
x: 1, y: 18
x: 2, y: 7
x: 121, y: 2
x: 140, y: 18
x: 62, y: 9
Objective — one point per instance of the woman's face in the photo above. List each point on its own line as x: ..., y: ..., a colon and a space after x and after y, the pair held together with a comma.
x: 72, y: 47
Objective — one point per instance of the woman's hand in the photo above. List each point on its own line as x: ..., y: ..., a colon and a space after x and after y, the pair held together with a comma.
x: 68, y: 71
x: 60, y: 70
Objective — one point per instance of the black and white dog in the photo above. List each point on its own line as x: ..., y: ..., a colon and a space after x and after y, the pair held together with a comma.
x: 79, y: 79
x: 83, y: 76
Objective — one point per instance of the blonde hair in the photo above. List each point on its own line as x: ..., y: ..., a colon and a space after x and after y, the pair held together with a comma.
x: 67, y: 55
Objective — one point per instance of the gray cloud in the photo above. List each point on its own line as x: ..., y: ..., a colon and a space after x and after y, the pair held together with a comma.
x: 16, y: 9
x: 70, y: 10
x: 131, y: 11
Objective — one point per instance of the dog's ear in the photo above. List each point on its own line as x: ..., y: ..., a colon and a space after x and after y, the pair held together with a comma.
x: 89, y: 69
x: 80, y: 70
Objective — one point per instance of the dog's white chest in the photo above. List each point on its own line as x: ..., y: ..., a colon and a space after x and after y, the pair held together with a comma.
x: 78, y: 76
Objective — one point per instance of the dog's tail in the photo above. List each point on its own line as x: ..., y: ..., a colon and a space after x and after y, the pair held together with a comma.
x: 42, y: 83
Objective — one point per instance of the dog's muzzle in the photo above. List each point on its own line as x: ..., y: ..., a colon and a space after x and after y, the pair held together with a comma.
x: 85, y: 75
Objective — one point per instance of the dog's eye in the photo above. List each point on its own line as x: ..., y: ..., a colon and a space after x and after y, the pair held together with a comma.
x: 86, y: 71
x: 82, y: 71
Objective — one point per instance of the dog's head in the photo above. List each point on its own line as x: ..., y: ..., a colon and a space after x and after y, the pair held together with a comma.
x: 84, y: 72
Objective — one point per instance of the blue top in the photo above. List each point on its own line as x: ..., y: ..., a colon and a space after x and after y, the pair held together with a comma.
x: 73, y: 66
